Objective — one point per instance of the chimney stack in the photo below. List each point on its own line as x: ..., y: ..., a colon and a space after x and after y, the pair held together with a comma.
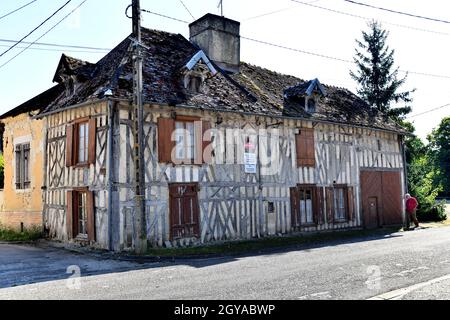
x: 219, y: 38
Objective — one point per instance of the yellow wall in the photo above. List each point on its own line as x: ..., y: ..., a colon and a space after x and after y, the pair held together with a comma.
x: 22, y: 206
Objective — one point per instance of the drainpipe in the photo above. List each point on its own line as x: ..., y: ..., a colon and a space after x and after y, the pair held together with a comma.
x: 110, y: 171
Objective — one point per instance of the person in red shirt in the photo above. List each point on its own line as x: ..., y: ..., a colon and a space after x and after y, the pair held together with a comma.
x: 411, y: 208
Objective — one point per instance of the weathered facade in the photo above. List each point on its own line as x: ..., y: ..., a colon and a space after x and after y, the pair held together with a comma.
x: 241, y: 154
x: 21, y: 203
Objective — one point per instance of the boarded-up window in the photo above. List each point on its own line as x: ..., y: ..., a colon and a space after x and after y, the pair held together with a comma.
x: 305, y: 148
x: 80, y: 219
x: 183, y: 140
x: 22, y: 158
x: 80, y: 143
x: 184, y: 211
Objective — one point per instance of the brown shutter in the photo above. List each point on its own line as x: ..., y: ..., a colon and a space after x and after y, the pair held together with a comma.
x: 166, y: 126
x: 198, y: 136
x: 207, y: 136
x: 90, y: 215
x: 69, y: 145
x: 92, y: 140
x: 330, y: 205
x: 69, y: 215
x: 305, y: 148
x: 350, y: 204
x: 295, y: 208
x: 318, y: 205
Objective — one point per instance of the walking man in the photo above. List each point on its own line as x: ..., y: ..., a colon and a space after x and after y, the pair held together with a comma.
x: 411, y: 208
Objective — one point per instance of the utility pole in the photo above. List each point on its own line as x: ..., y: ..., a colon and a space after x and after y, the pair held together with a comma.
x: 140, y: 233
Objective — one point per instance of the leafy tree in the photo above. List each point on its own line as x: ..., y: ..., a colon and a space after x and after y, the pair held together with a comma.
x: 440, y: 153
x: 379, y: 84
x: 422, y: 177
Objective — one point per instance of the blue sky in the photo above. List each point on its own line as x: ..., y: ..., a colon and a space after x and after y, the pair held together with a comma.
x: 101, y: 23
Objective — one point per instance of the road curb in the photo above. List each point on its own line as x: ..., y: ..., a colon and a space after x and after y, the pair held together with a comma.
x: 399, y: 293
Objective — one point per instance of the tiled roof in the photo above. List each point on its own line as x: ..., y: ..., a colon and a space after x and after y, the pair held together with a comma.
x: 252, y: 90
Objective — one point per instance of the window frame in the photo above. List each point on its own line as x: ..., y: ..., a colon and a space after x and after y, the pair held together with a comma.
x: 73, y: 215
x: 73, y: 142
x: 76, y: 143
x: 78, y: 235
x: 193, y: 147
x: 344, y: 189
x: 22, y: 153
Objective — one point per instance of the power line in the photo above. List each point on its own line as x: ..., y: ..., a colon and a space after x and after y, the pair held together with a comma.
x: 431, y: 110
x: 296, y: 50
x: 397, y: 12
x: 306, y: 52
x: 14, y: 11
x: 369, y: 19
x: 56, y: 50
x: 54, y: 26
x: 40, y: 25
x: 57, y: 45
x: 274, y: 12
x: 163, y: 16
x: 187, y: 9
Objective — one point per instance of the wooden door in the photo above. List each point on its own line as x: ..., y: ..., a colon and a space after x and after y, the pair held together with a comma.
x: 392, y: 198
x: 383, y: 189
x: 184, y: 211
x: 371, y: 193
x: 374, y: 218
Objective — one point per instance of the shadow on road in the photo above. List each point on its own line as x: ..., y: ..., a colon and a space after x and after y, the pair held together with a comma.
x: 27, y: 264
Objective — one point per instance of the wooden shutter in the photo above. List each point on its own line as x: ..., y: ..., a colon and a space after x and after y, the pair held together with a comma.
x: 26, y: 165
x: 295, y: 208
x: 330, y: 204
x: 198, y: 136
x: 318, y: 205
x: 18, y: 150
x: 90, y: 215
x: 305, y: 148
x: 166, y: 126
x: 350, y: 204
x: 207, y: 136
x: 69, y: 145
x: 92, y: 140
x: 69, y: 215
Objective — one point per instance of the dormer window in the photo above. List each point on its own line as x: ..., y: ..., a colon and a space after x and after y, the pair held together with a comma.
x: 305, y: 96
x: 311, y: 106
x: 196, y: 71
x: 193, y: 83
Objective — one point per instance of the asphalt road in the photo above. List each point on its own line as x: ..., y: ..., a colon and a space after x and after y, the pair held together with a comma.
x: 353, y: 269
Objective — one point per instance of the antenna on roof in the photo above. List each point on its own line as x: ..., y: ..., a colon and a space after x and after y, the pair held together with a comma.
x: 220, y: 5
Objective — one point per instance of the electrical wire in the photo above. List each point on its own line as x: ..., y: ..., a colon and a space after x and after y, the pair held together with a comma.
x: 54, y: 26
x: 14, y: 11
x: 57, y: 45
x: 397, y: 12
x: 32, y: 31
x: 369, y: 19
x: 56, y: 50
x: 428, y: 111
x: 193, y: 18
x: 304, y: 51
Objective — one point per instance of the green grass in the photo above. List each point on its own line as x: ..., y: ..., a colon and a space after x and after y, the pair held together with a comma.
x: 10, y: 235
x: 236, y: 247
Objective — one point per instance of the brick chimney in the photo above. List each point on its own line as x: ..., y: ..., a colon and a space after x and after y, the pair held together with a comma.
x: 219, y: 38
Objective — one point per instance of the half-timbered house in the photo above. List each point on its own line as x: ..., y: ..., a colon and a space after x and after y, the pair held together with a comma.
x: 232, y: 150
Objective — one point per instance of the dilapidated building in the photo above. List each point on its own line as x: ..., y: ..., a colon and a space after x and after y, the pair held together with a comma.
x: 232, y: 150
